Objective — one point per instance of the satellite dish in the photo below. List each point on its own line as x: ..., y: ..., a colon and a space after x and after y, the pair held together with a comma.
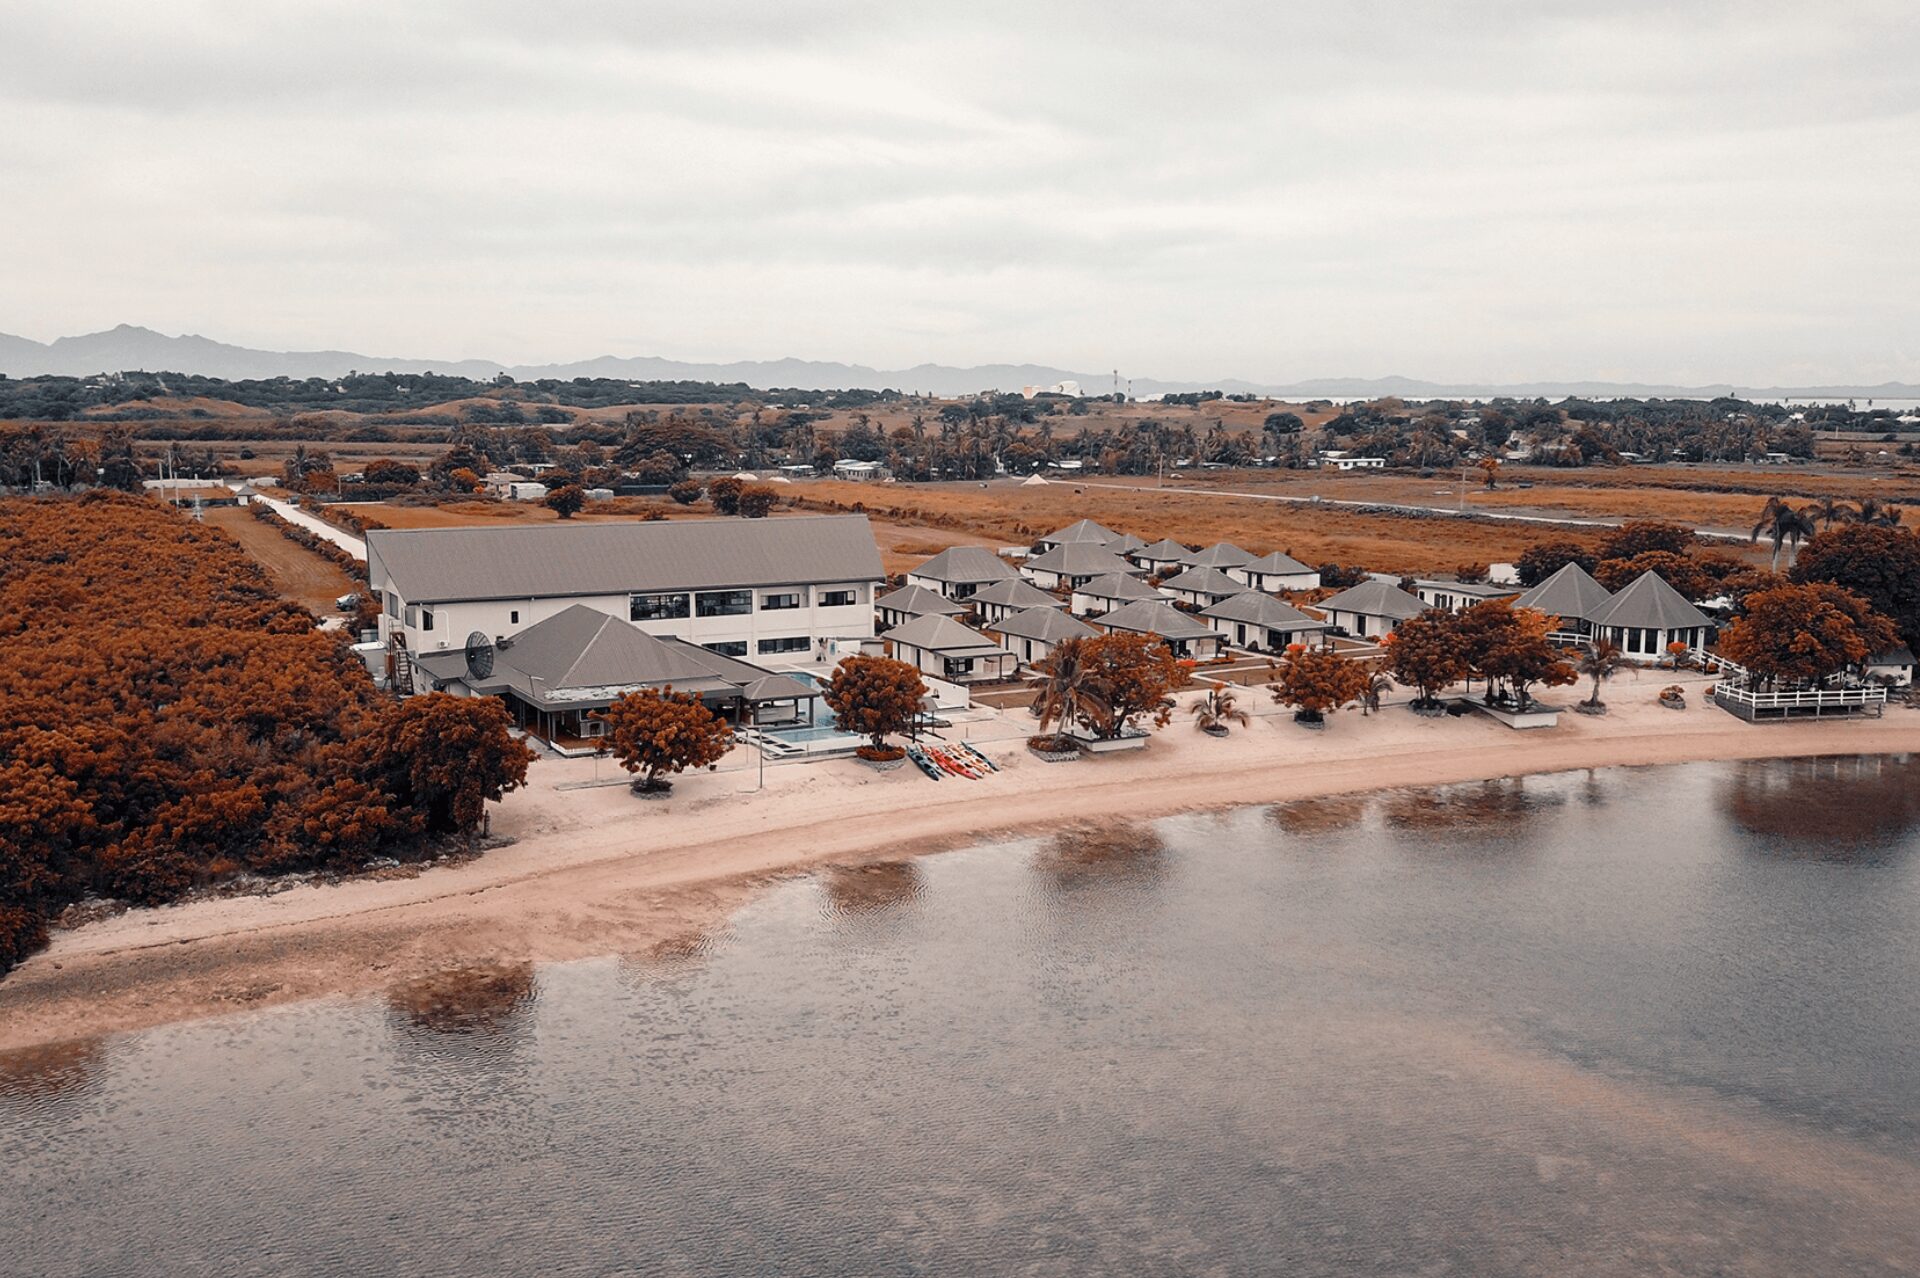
x: 479, y: 655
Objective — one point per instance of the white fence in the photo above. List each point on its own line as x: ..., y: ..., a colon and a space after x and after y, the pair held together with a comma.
x: 1750, y: 704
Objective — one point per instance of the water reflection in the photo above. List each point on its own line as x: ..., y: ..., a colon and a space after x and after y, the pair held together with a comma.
x: 49, y: 1071
x: 1856, y: 807
x: 1506, y: 807
x: 484, y: 998
x: 1096, y: 854
x: 875, y: 888
x: 1319, y: 816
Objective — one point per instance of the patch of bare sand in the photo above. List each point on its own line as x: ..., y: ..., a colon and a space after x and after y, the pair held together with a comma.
x: 592, y: 871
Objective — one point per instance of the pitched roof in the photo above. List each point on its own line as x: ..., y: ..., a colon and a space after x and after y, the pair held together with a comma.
x: 1204, y: 581
x: 1156, y: 617
x: 432, y: 565
x: 1276, y: 564
x: 1649, y: 603
x: 1166, y: 550
x: 1255, y: 608
x: 582, y: 647
x: 1375, y: 599
x: 1222, y: 554
x: 918, y: 600
x: 1900, y: 655
x: 940, y: 634
x: 1118, y: 585
x: 779, y: 687
x: 1084, y: 530
x: 1569, y: 592
x: 1080, y: 559
x: 1047, y: 624
x: 1016, y: 592
x: 964, y: 564
x: 1125, y: 544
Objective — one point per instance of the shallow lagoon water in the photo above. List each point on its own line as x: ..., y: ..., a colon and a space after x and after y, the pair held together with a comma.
x: 1628, y: 1021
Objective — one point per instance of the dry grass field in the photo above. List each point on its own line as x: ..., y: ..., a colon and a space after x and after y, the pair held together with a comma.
x: 302, y: 576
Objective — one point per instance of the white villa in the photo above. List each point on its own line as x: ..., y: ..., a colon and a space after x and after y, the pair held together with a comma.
x: 958, y: 571
x: 1104, y: 594
x: 1201, y: 587
x: 1083, y: 531
x: 1276, y: 572
x: 1340, y: 459
x: 1258, y: 621
x: 1572, y: 595
x: 1072, y: 564
x: 1222, y: 554
x: 738, y: 587
x: 1034, y: 634
x: 1006, y: 598
x: 945, y: 649
x: 1185, y: 635
x: 1894, y: 665
x: 1454, y: 596
x: 1165, y: 555
x: 1646, y: 616
x: 1371, y: 609
x: 897, y: 607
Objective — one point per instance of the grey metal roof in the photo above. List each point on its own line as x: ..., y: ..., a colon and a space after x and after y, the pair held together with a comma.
x: 581, y: 647
x: 1222, y: 554
x: 1084, y: 530
x: 1900, y: 656
x: 1119, y: 586
x: 1474, y: 589
x: 964, y: 564
x: 940, y: 634
x: 437, y: 565
x: 1569, y: 592
x: 1204, y: 581
x: 1125, y: 544
x: 1375, y: 599
x: 1649, y: 603
x: 779, y: 687
x: 1080, y: 559
x: 1156, y: 617
x: 918, y: 600
x: 1165, y: 551
x: 1275, y: 564
x: 1015, y: 592
x: 1255, y: 608
x: 1047, y: 624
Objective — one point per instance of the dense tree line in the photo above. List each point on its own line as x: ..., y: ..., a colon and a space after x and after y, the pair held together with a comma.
x: 167, y: 721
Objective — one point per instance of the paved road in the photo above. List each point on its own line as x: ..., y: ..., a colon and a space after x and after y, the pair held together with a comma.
x: 345, y: 540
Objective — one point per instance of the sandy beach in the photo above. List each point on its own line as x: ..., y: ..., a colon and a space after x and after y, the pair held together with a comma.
x: 589, y: 870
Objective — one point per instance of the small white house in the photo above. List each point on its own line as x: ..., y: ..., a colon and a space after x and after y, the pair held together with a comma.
x: 1571, y: 596
x: 1072, y: 564
x: 1222, y: 554
x: 526, y: 490
x: 1276, y: 572
x: 958, y: 572
x: 1031, y: 636
x: 1260, y: 622
x: 1895, y: 666
x: 1009, y: 597
x: 1647, y: 616
x: 1201, y: 587
x: 945, y: 649
x: 1104, y: 594
x: 1163, y: 556
x: 860, y: 471
x: 1455, y: 596
x: 897, y: 607
x: 1185, y: 636
x: 1371, y: 609
x: 1340, y: 459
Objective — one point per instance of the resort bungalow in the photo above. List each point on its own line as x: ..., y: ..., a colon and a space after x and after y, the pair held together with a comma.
x: 1163, y: 556
x: 740, y: 587
x: 1454, y: 596
x: 1258, y: 621
x: 1125, y: 544
x: 897, y: 607
x: 1222, y: 554
x: 1072, y: 564
x: 1571, y: 595
x: 1104, y: 594
x: 1184, y: 635
x: 958, y: 571
x: 1201, y: 587
x: 1894, y: 666
x: 1371, y: 609
x: 1084, y: 531
x: 1276, y: 572
x: 1647, y: 615
x: 1014, y: 595
x: 945, y: 649
x: 554, y: 674
x: 1032, y: 635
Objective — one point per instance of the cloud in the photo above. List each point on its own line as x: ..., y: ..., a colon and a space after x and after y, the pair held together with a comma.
x: 1452, y: 190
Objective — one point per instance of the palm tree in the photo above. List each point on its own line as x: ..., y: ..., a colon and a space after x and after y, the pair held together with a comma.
x: 1600, y: 662
x: 1378, y: 686
x: 1879, y: 514
x: 1216, y: 710
x: 1783, y: 525
x: 1830, y: 511
x: 1064, y: 689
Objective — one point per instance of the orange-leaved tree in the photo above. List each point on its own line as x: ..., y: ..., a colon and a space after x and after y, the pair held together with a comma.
x: 566, y: 500
x: 1318, y: 681
x: 1803, y: 634
x: 655, y: 731
x: 1510, y: 648
x: 724, y: 493
x: 757, y: 501
x: 875, y: 696
x: 445, y: 756
x: 1424, y: 652
x: 1127, y: 676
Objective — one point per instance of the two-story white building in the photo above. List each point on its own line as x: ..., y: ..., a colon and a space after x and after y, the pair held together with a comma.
x: 753, y: 588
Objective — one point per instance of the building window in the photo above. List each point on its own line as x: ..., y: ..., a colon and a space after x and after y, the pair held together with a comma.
x: 730, y: 648
x: 957, y: 666
x: 393, y: 604
x: 513, y: 619
x: 836, y: 598
x: 965, y: 589
x: 779, y: 603
x: 723, y: 603
x: 792, y: 643
x: 426, y: 618
x: 656, y: 607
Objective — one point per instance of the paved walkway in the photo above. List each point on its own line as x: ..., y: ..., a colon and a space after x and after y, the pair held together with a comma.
x: 353, y: 545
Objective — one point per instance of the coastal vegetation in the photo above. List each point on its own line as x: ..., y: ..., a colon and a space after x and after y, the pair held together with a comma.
x: 657, y: 732
x: 1101, y: 687
x: 1316, y: 682
x: 168, y: 722
x: 875, y: 697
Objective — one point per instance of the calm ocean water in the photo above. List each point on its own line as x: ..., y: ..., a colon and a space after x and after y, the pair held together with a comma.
x: 1621, y: 1022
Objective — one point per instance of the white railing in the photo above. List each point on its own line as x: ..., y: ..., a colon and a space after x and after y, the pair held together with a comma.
x: 1805, y: 699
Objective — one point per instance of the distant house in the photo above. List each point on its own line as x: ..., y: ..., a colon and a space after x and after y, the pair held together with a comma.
x: 1125, y: 544
x: 1339, y: 459
x: 861, y: 471
x: 1253, y: 619
x: 1033, y: 635
x: 945, y: 649
x: 897, y: 607
x: 1083, y: 531
x: 1570, y: 595
x: 1165, y: 555
x: 1014, y: 595
x: 526, y: 490
x: 1647, y: 615
x: 1276, y: 572
x: 1895, y: 666
x: 1453, y: 596
x: 958, y: 571
x: 1184, y: 635
x: 1072, y: 564
x: 1201, y: 587
x: 1104, y: 594
x: 1222, y: 555
x: 1371, y: 609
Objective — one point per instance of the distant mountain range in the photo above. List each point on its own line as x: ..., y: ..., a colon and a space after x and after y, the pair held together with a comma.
x: 129, y: 348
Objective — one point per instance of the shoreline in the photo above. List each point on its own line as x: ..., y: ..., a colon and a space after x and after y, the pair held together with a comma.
x: 591, y: 871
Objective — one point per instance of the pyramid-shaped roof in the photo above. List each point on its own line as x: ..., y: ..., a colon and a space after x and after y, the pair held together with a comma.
x: 1049, y: 625
x: 964, y: 564
x: 1125, y: 544
x: 1569, y: 592
x: 1016, y: 592
x: 1222, y: 554
x: 918, y: 600
x: 940, y: 634
x: 1649, y: 603
x: 1080, y: 559
x: 1156, y: 617
x: 1277, y: 564
x: 581, y: 647
x: 1118, y: 585
x: 1204, y: 581
x: 1164, y: 551
x: 1083, y: 531
x: 1375, y: 599
x: 1254, y: 608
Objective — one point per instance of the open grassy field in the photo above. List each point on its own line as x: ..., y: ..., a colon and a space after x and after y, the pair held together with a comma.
x: 300, y: 575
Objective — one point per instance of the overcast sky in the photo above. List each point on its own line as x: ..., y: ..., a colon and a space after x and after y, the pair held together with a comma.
x: 1657, y: 191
